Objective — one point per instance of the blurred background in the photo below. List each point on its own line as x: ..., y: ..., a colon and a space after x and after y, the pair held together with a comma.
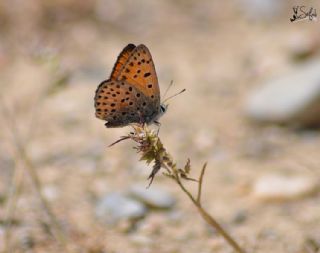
x: 251, y: 110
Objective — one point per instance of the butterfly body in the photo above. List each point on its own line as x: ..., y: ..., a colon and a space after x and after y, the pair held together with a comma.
x: 131, y: 94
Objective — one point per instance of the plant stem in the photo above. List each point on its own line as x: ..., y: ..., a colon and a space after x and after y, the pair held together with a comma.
x: 152, y: 149
x: 170, y: 166
x: 210, y: 220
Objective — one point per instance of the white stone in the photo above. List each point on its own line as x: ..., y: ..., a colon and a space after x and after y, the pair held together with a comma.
x: 140, y: 240
x: 116, y: 207
x: 50, y: 192
x: 292, y: 98
x: 282, y: 187
x: 153, y: 196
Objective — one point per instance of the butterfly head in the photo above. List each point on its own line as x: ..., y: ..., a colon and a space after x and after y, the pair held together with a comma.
x: 163, y: 108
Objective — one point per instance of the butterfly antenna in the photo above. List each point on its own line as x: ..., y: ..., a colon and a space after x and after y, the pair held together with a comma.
x: 168, y: 88
x: 174, y: 95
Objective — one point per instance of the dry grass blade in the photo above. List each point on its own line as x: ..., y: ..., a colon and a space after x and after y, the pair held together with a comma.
x: 14, y: 192
x: 117, y: 141
x: 27, y: 164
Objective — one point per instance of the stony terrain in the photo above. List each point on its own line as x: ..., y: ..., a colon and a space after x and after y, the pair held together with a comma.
x: 262, y: 180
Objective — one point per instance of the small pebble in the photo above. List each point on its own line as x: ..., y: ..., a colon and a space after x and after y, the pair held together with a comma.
x: 116, y: 207
x: 240, y: 217
x: 50, y: 192
x: 175, y: 216
x: 141, y: 240
x: 203, y: 140
x: 262, y: 10
x: 302, y: 46
x: 153, y: 196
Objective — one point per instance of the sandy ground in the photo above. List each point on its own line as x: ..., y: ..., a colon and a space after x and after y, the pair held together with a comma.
x: 53, y: 56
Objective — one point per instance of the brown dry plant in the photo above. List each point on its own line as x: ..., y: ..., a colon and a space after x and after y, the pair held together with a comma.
x: 151, y: 150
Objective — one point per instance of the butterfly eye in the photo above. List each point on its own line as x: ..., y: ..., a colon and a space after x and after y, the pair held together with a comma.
x: 163, y: 109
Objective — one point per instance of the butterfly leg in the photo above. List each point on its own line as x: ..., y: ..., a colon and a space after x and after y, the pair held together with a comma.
x: 142, y: 123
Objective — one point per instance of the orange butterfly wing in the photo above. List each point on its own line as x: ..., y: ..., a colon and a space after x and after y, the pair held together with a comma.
x: 138, y: 70
x: 120, y: 104
x: 121, y: 60
x: 131, y: 94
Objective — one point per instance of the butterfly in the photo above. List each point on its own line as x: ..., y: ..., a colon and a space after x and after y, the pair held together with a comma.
x: 131, y: 94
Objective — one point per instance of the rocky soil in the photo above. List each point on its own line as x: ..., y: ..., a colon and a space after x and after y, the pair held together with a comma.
x: 262, y: 180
